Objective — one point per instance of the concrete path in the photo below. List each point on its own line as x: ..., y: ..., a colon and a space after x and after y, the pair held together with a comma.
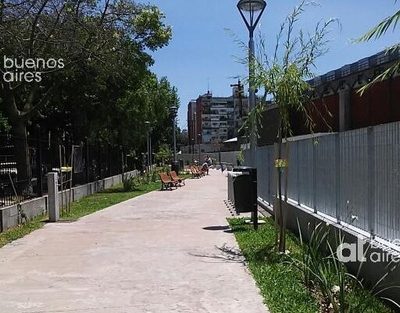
x: 161, y: 252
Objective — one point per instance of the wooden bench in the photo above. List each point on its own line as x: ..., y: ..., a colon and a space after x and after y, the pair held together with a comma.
x: 167, y: 182
x: 195, y: 172
x: 176, y: 178
x: 201, y: 170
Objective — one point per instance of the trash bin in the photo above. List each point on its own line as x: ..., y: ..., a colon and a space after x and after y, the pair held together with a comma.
x: 175, y: 166
x: 181, y: 165
x: 245, y: 189
x: 245, y: 192
x: 231, y: 177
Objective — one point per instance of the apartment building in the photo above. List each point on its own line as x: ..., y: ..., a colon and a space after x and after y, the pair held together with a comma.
x: 213, y: 120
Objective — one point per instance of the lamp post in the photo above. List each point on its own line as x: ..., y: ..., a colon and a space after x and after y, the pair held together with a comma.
x: 147, y: 123
x: 195, y: 128
x: 192, y: 150
x: 251, y: 12
x: 198, y: 142
x: 173, y: 111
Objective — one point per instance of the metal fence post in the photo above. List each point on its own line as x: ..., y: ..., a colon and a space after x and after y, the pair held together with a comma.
x: 314, y: 168
x: 39, y: 172
x: 87, y: 161
x: 371, y: 181
x: 100, y: 162
x: 54, y: 205
x: 122, y: 161
x: 337, y: 176
x: 298, y: 171
x: 274, y: 177
x: 269, y: 165
x: 109, y: 172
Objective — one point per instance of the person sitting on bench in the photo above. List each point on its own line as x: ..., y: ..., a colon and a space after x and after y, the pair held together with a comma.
x: 204, y: 167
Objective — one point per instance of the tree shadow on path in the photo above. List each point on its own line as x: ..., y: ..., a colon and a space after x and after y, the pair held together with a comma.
x: 226, y: 255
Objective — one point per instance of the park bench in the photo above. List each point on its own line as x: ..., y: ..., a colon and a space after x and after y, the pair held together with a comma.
x: 167, y: 182
x: 176, y: 178
x: 195, y: 172
x: 201, y: 170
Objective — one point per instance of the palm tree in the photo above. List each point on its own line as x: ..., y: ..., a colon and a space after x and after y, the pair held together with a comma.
x: 375, y: 33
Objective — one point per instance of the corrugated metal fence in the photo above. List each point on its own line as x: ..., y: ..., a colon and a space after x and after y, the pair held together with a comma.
x: 352, y: 176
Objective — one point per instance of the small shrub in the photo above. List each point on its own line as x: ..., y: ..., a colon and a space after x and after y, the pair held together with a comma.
x: 131, y: 183
x: 324, y: 275
x: 154, y: 176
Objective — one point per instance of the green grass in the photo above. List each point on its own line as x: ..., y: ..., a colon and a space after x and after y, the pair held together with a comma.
x: 279, y: 280
x: 185, y: 175
x: 21, y: 230
x: 104, y: 199
x: 85, y: 206
x: 279, y: 283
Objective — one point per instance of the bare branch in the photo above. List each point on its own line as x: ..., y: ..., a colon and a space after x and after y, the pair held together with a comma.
x: 34, y: 109
x: 34, y: 27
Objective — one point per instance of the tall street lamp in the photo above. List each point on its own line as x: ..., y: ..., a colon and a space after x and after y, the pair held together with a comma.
x: 193, y: 150
x: 251, y: 12
x: 147, y: 123
x: 173, y: 111
x: 198, y: 142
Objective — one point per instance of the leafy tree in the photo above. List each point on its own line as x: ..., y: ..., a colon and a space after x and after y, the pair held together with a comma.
x: 182, y: 137
x: 283, y: 77
x: 3, y: 123
x: 164, y: 154
x: 102, y: 45
x: 375, y: 33
x: 150, y: 101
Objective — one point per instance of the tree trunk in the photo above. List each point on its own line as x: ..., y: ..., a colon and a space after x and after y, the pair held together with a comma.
x: 276, y: 205
x: 20, y: 139
x: 21, y: 152
x: 280, y: 208
x: 284, y: 218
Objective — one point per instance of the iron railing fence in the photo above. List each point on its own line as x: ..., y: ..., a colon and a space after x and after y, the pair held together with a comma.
x: 89, y: 162
x: 352, y: 177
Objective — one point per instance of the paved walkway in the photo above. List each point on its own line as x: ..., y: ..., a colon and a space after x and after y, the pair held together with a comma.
x: 161, y: 252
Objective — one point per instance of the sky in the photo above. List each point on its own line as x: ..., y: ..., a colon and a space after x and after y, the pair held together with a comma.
x: 205, y: 53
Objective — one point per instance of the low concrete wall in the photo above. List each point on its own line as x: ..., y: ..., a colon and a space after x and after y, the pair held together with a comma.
x: 34, y: 207
x: 81, y: 191
x: 108, y: 182
x: 371, y: 272
x: 64, y: 197
x: 9, y: 216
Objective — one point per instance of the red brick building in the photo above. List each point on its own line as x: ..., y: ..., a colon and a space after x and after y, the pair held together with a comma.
x: 338, y: 106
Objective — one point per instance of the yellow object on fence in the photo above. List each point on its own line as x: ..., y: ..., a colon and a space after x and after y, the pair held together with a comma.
x: 281, y: 163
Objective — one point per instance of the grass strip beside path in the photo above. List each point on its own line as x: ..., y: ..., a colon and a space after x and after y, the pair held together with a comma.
x: 21, y: 230
x: 279, y: 280
x: 279, y: 283
x: 104, y: 199
x: 85, y: 206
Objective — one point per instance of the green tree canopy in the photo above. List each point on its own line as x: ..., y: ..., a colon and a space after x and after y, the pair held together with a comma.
x: 104, y: 48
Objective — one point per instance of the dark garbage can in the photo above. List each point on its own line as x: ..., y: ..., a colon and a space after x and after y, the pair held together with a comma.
x: 245, y: 191
x: 175, y: 166
x: 181, y: 165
